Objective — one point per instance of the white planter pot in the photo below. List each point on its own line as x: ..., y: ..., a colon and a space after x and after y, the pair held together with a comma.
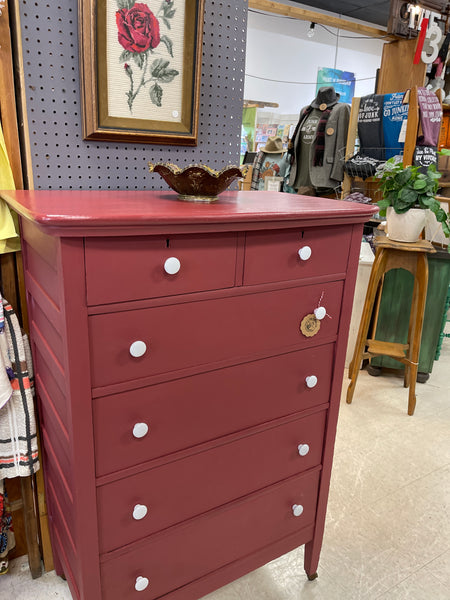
x: 406, y: 227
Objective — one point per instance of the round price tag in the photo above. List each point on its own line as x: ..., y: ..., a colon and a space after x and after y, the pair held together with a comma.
x: 310, y: 325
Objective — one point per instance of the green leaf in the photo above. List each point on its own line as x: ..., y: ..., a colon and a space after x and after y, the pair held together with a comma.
x: 168, y: 75
x: 440, y: 214
x: 446, y: 230
x: 403, y: 177
x: 383, y: 203
x: 167, y: 7
x: 168, y: 42
x: 420, y: 184
x: 127, y: 4
x: 408, y: 196
x: 160, y: 71
x: 158, y: 67
x: 166, y: 22
x: 156, y: 93
x: 170, y: 14
x: 126, y: 55
x: 139, y: 58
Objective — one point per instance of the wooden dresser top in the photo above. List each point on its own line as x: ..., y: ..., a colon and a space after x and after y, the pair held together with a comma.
x: 87, y: 213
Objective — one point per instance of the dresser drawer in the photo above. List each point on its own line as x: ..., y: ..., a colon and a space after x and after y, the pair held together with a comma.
x: 192, y: 550
x: 121, y: 269
x: 274, y: 255
x: 186, y: 412
x: 197, y: 333
x: 185, y: 488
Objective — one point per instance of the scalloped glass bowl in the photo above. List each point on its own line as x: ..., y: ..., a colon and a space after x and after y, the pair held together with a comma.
x: 197, y: 183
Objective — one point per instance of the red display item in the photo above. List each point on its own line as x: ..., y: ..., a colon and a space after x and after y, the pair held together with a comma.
x: 201, y: 351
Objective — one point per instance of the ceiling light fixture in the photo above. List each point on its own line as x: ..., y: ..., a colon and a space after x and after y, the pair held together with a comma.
x: 310, y: 32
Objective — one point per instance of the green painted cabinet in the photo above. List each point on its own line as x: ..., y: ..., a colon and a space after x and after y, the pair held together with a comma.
x: 395, y: 308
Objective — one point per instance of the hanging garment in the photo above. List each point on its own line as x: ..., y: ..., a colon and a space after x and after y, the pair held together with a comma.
x: 306, y: 136
x: 6, y: 373
x: 327, y: 151
x: 370, y: 126
x: 9, y: 239
x: 7, y: 539
x: 18, y: 440
x: 394, y: 115
x: 430, y: 112
x: 268, y: 165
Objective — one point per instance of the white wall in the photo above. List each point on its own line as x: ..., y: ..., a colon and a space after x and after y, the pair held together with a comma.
x: 279, y: 50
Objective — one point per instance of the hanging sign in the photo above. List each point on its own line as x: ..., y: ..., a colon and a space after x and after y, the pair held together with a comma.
x: 342, y: 81
x: 426, y: 20
x: 424, y: 156
x: 405, y: 18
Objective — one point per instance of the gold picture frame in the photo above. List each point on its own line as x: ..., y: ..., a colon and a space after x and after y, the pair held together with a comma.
x: 140, y: 65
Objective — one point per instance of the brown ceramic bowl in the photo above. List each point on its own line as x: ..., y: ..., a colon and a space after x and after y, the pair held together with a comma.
x: 197, y: 183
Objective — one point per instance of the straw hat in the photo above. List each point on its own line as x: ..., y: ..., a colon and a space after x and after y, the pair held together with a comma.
x: 274, y: 145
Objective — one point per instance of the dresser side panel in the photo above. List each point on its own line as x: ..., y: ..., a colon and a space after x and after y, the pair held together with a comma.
x: 56, y: 297
x: 312, y: 549
x: 76, y: 361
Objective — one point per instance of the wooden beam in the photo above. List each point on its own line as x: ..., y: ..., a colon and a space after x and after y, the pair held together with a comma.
x: 314, y: 17
x: 8, y: 114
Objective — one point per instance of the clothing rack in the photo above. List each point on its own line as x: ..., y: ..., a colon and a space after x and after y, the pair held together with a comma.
x: 412, y: 129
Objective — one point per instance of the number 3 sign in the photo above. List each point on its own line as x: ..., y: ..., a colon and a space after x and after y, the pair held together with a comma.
x: 430, y: 31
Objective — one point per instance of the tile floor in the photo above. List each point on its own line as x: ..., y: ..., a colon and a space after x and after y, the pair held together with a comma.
x: 388, y: 527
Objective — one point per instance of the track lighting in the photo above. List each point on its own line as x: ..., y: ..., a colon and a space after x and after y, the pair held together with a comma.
x: 310, y: 32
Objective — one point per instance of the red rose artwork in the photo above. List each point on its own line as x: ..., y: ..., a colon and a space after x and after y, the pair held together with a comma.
x: 138, y: 32
x: 138, y: 28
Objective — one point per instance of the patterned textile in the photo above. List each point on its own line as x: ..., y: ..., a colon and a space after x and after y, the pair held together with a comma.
x: 320, y: 139
x: 257, y: 164
x: 18, y: 441
x: 270, y: 165
x: 7, y: 539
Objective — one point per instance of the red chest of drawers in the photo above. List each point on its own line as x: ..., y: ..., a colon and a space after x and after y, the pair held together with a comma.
x: 187, y: 421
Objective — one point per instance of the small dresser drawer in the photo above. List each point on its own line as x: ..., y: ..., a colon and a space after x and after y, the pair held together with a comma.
x: 295, y: 254
x: 159, y: 498
x: 138, y: 343
x: 174, y: 558
x: 155, y: 421
x: 122, y: 269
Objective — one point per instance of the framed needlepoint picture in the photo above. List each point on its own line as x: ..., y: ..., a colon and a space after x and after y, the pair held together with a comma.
x: 140, y: 70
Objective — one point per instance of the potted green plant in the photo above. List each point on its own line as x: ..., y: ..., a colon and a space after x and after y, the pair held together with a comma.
x: 407, y: 193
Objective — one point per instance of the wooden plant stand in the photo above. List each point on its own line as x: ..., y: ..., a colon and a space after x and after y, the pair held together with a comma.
x: 394, y: 255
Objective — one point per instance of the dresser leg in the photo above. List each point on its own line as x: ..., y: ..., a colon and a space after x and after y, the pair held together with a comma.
x: 311, y: 561
x: 58, y: 566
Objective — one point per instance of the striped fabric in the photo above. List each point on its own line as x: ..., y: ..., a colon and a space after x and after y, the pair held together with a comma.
x: 18, y: 441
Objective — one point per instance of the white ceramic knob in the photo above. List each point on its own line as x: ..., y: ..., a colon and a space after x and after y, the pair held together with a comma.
x: 303, y: 449
x: 320, y: 313
x: 140, y: 430
x: 305, y: 253
x: 172, y: 265
x: 311, y: 381
x: 297, y: 510
x: 139, y: 512
x: 138, y: 348
x: 141, y: 584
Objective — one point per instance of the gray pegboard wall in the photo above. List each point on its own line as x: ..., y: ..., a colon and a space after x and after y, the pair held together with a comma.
x: 63, y: 160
